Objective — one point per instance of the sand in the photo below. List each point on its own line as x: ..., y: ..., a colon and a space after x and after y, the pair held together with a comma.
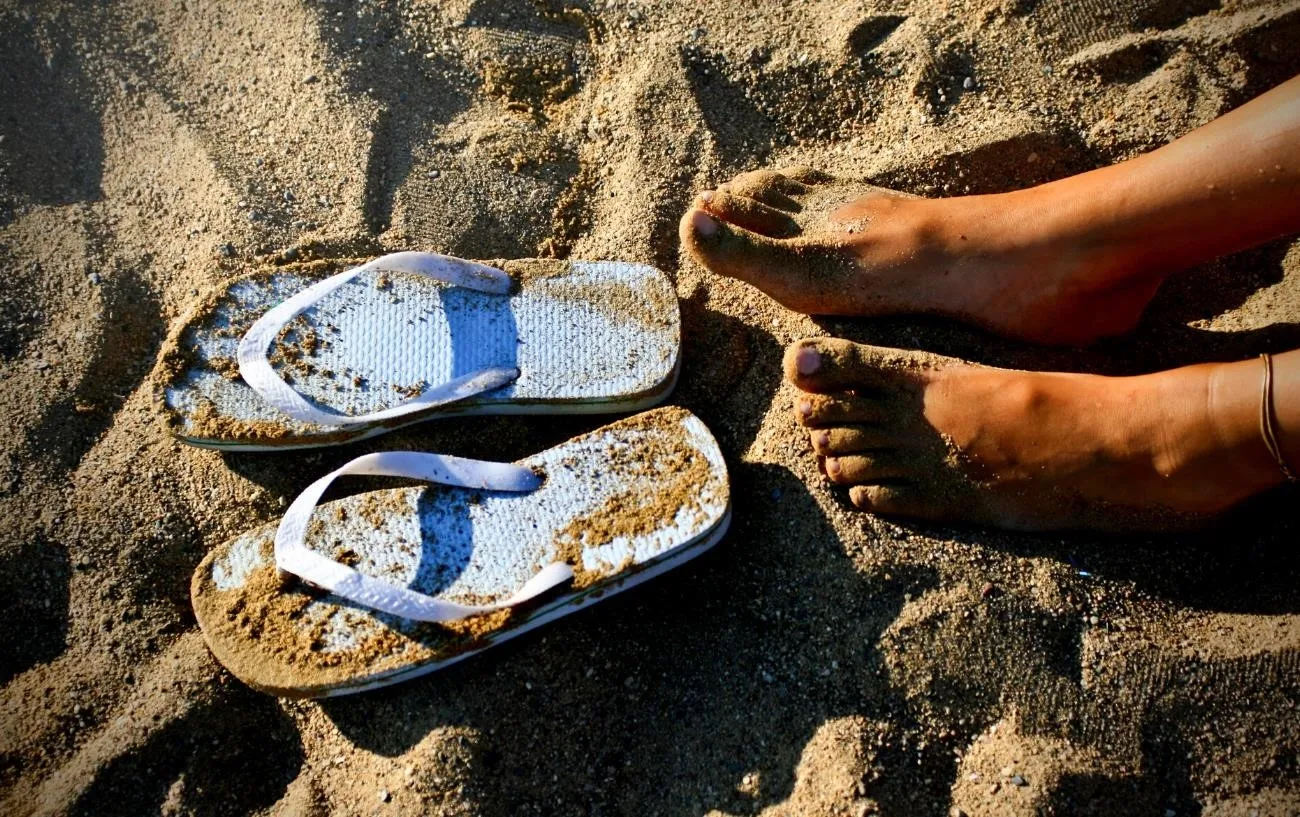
x: 819, y: 661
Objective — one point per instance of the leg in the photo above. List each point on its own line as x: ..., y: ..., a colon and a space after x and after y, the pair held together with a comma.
x: 920, y: 435
x: 1066, y: 262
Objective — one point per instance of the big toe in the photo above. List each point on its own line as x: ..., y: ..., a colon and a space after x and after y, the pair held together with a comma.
x: 823, y: 365
x: 774, y: 266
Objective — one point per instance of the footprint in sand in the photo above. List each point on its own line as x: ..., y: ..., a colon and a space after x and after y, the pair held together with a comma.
x: 1116, y: 732
x: 1161, y: 63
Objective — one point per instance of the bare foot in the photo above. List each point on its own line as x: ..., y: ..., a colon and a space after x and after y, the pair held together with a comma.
x: 919, y: 435
x: 1013, y: 263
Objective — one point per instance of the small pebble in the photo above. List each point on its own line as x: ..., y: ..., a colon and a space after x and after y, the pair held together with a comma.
x: 956, y: 812
x: 384, y: 796
x: 309, y: 79
x: 968, y: 83
x: 94, y: 278
x: 227, y: 250
x: 1093, y: 620
x: 433, y: 174
x: 1017, y: 780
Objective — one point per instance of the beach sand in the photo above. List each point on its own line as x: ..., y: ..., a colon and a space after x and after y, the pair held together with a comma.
x: 820, y: 661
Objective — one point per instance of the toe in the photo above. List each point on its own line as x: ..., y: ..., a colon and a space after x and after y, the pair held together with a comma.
x: 851, y: 439
x: 769, y: 187
x: 779, y: 267
x: 822, y: 410
x: 805, y: 175
x: 824, y: 365
x: 748, y: 213
x: 726, y: 248
x: 868, y: 466
x: 900, y: 499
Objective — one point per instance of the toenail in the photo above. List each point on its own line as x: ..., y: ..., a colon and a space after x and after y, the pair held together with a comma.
x: 706, y: 196
x: 805, y: 409
x: 821, y: 439
x: 703, y: 223
x: 807, y: 360
x: 832, y: 467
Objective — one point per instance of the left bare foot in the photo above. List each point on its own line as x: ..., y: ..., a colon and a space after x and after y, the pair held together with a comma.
x: 918, y: 435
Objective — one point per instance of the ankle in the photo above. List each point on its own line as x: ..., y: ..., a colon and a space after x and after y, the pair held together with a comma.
x: 982, y: 227
x: 1064, y: 224
x: 1231, y: 400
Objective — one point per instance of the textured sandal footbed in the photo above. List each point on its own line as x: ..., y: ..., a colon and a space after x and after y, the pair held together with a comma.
x: 589, y: 336
x: 472, y: 547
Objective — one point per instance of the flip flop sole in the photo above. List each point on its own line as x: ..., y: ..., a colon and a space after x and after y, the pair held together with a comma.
x: 560, y: 607
x: 621, y: 505
x: 587, y: 337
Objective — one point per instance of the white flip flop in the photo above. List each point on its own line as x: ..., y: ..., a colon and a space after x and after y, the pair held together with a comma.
x: 305, y: 355
x: 397, y: 583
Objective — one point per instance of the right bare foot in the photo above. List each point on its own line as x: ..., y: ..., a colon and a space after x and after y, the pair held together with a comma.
x: 914, y: 434
x: 1013, y: 263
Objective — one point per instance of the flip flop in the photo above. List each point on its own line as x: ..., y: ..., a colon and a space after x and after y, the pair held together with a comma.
x: 306, y: 355
x: 397, y: 583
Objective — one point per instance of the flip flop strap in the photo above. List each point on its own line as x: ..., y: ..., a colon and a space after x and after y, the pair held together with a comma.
x: 255, y: 367
x: 293, y: 555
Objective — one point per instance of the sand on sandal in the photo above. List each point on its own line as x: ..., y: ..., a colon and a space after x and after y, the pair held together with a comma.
x: 819, y: 661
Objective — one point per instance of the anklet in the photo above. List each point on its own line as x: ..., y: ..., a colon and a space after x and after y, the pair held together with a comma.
x: 1266, y: 419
